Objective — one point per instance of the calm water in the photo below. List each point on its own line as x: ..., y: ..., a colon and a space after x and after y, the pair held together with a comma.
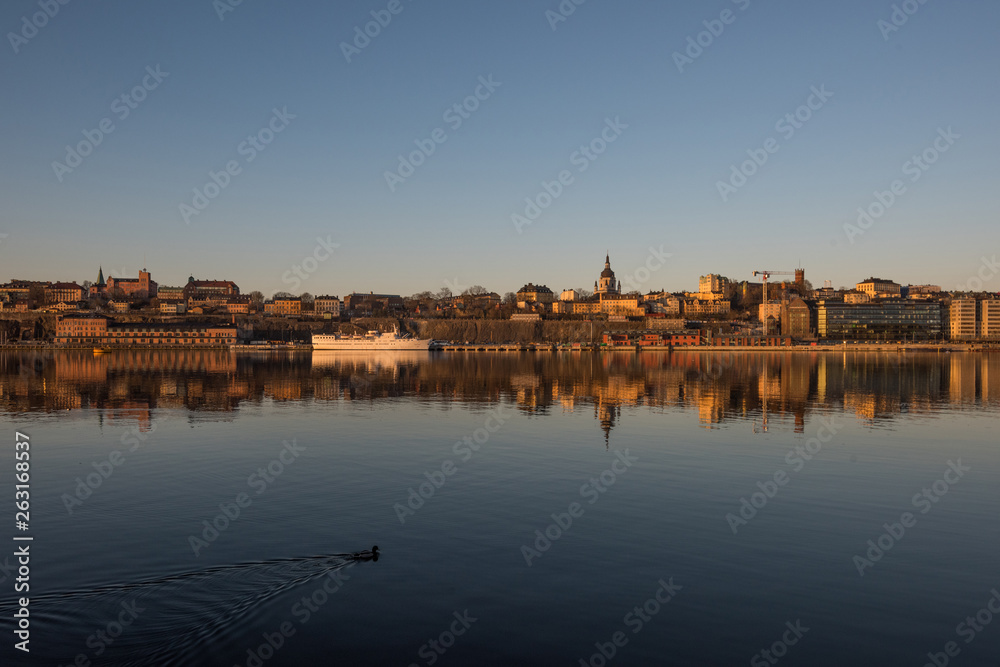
x: 649, y: 456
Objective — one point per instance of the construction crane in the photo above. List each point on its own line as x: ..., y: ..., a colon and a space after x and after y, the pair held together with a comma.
x: 767, y: 274
x: 764, y: 276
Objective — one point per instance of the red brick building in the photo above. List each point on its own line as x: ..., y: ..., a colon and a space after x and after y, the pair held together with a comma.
x: 652, y: 338
x: 203, y: 289
x: 142, y: 287
x: 751, y: 341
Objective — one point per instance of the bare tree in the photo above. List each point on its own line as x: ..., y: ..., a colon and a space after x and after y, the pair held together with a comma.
x: 36, y: 296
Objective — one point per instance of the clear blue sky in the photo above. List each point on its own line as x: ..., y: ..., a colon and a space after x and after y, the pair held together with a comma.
x: 656, y: 185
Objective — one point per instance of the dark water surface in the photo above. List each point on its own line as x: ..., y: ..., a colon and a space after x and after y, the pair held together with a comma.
x: 646, y: 460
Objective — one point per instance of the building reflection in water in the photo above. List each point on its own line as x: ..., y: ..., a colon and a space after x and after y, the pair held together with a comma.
x: 718, y: 388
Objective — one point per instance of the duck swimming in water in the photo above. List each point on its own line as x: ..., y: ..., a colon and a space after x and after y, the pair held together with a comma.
x: 368, y: 555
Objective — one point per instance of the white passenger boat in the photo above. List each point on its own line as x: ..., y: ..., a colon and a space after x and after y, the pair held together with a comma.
x: 373, y: 340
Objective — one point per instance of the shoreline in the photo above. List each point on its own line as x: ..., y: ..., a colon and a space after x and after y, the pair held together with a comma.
x: 535, y: 347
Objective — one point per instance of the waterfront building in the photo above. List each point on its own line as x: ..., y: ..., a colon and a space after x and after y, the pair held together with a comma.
x: 896, y: 319
x: 989, y: 325
x: 86, y: 330
x: 167, y: 334
x: 75, y: 330
x: 962, y: 319
x: 971, y: 319
x: 740, y: 340
x: 797, y: 319
x: 651, y: 338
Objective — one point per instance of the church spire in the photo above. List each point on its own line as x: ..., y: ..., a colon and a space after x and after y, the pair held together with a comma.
x: 100, y: 276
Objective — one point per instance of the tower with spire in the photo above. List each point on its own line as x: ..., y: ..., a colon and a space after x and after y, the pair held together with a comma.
x: 99, y: 287
x: 607, y: 283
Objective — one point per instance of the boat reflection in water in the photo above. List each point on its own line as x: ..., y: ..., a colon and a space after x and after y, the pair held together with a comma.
x: 373, y: 360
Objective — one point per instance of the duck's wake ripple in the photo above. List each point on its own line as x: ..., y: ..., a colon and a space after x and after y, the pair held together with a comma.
x: 178, y: 619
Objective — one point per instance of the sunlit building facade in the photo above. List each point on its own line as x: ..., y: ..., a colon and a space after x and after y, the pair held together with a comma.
x: 899, y: 320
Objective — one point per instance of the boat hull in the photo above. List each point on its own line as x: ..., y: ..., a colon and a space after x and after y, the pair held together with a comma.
x: 322, y: 342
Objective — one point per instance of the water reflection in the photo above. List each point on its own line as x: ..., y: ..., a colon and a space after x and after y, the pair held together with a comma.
x: 180, y: 616
x: 718, y: 387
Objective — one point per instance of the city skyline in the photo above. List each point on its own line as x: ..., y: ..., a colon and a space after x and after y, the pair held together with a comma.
x: 723, y: 134
x: 457, y: 288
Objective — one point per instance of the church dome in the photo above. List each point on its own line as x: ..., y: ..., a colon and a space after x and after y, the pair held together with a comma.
x: 607, y: 272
